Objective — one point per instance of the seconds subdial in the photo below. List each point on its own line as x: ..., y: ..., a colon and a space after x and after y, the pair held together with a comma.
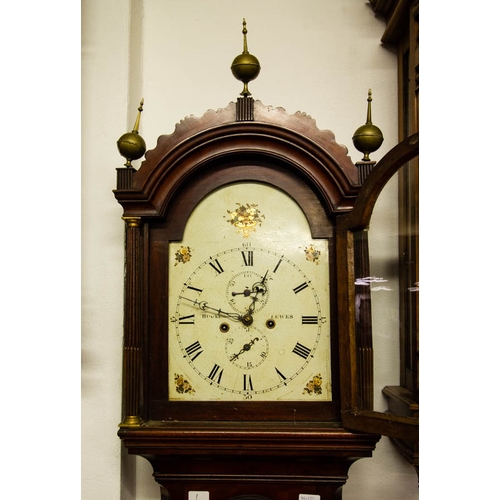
x: 247, y: 350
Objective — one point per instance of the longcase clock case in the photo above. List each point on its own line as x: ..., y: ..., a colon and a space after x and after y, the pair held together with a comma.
x: 269, y: 449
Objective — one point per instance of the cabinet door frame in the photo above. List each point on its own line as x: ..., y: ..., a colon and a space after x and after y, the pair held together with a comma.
x: 357, y: 401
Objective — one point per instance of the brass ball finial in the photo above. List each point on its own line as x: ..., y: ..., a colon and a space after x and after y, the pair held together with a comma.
x: 368, y: 138
x: 131, y: 145
x: 245, y: 67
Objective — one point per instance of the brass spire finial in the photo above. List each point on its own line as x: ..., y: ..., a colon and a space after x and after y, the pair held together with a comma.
x: 245, y: 31
x: 368, y: 138
x: 369, y: 112
x: 138, y: 119
x: 131, y: 145
x: 245, y: 67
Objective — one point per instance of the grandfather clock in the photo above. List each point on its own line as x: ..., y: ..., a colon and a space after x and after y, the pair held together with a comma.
x: 237, y: 364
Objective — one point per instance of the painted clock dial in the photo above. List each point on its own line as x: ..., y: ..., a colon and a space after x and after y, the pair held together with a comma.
x: 249, y: 301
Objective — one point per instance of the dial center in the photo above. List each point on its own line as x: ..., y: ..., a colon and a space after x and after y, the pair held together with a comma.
x: 247, y: 319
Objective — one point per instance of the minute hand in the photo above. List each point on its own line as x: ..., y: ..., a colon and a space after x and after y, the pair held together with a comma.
x: 204, y: 306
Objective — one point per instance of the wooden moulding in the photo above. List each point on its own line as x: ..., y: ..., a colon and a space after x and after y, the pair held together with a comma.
x: 216, y: 136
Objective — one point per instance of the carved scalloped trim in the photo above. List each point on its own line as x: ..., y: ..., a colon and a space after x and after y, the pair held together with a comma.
x: 299, y: 119
x: 192, y: 124
x: 299, y: 123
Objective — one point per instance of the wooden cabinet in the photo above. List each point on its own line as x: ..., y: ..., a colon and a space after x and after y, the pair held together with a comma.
x: 248, y: 444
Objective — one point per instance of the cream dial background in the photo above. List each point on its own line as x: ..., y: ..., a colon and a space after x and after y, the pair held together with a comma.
x: 221, y: 273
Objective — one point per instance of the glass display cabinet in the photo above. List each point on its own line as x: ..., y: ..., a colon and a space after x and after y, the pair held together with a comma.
x: 378, y: 288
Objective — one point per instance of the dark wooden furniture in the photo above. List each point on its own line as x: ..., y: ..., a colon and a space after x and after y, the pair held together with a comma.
x: 249, y: 450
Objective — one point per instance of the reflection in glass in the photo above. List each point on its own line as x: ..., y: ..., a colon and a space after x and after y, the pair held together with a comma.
x: 386, y: 271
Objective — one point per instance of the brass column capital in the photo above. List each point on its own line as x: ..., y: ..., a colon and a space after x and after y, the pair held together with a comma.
x: 132, y: 221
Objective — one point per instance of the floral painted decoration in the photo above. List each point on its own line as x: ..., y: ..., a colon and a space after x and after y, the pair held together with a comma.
x: 312, y: 254
x: 245, y: 218
x: 313, y: 386
x: 182, y: 385
x: 183, y: 255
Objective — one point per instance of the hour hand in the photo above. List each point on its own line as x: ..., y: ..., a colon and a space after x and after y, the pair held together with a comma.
x: 203, y: 305
x: 247, y: 292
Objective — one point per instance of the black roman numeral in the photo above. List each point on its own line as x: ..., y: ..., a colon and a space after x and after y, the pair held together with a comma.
x: 280, y: 374
x: 309, y: 320
x: 301, y: 350
x: 301, y: 287
x: 195, y: 348
x: 247, y: 383
x: 199, y: 290
x: 247, y: 257
x: 277, y: 265
x: 187, y: 320
x: 216, y: 265
x: 214, y: 372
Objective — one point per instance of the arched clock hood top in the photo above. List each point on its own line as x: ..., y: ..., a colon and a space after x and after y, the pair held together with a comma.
x: 273, y: 139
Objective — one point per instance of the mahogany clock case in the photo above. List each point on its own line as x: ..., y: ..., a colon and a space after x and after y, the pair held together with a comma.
x: 284, y: 151
x: 258, y: 449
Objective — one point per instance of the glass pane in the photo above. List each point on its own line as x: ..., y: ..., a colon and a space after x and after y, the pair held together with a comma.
x: 387, y: 292
x: 383, y: 242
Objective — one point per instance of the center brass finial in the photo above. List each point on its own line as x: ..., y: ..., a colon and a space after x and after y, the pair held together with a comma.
x: 245, y: 67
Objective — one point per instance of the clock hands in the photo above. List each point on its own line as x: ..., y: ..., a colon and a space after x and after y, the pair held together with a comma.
x: 263, y: 282
x: 251, y: 308
x: 245, y: 348
x: 204, y: 306
x: 245, y: 292
x: 259, y: 287
x: 263, y: 290
x: 247, y: 317
x: 255, y: 288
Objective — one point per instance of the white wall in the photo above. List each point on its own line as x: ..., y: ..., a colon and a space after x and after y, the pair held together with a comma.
x: 319, y: 57
x: 105, y: 33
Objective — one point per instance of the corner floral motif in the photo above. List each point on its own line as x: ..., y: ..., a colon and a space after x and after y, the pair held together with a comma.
x: 245, y: 218
x: 182, y: 385
x: 313, y: 386
x: 312, y: 254
x: 183, y: 255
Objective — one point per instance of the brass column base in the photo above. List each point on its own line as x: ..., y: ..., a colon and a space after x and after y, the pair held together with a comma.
x: 131, y: 421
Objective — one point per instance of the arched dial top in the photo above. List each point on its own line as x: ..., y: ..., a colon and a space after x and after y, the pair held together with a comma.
x: 249, y: 301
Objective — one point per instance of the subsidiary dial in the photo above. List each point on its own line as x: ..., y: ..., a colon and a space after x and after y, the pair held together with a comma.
x: 247, y: 291
x: 248, y: 349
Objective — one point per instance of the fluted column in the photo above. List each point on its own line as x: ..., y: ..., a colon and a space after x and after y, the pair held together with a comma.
x: 132, y: 343
x: 363, y: 320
